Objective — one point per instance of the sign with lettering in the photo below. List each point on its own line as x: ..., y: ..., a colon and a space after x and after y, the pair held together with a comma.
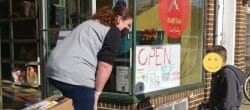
x: 174, y: 16
x: 157, y: 67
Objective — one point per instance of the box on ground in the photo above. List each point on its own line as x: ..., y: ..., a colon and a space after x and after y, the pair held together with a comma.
x: 52, y: 103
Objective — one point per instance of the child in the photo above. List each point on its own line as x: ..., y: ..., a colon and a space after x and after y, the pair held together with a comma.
x: 226, y: 84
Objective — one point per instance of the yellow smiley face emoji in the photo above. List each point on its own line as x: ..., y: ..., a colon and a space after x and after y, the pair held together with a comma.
x: 212, y: 62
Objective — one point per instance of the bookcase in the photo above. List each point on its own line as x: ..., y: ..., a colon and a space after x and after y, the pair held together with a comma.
x: 19, y: 41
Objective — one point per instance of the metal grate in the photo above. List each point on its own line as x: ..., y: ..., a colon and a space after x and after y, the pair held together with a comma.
x: 176, y: 105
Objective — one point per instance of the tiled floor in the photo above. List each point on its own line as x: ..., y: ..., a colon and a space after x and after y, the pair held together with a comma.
x: 17, y: 97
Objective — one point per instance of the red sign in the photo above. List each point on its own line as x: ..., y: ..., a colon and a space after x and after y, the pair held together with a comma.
x: 174, y: 15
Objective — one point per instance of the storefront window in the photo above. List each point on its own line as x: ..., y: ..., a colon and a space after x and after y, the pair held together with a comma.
x: 169, y: 44
x: 64, y: 15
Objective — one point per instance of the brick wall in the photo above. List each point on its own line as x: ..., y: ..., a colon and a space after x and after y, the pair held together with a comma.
x: 210, y: 30
x: 240, y: 35
x: 195, y: 97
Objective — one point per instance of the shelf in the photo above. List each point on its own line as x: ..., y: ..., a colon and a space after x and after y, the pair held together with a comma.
x: 3, y: 0
x: 4, y: 20
x: 20, y: 40
x: 5, y: 41
x: 17, y: 61
x: 25, y: 40
x: 23, y: 62
x: 5, y: 60
x: 4, y: 9
x: 23, y: 18
x: 21, y: 85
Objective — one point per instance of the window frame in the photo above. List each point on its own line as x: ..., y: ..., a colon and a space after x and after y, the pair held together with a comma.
x: 131, y: 97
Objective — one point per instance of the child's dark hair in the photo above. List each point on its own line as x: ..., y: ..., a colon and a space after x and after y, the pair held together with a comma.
x: 219, y: 50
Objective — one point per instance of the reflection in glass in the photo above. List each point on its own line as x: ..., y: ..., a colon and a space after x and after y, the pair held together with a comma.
x: 24, y: 29
x: 101, y: 3
x: 4, y: 9
x: 149, y: 33
x: 68, y: 13
x: 25, y: 51
x: 6, y: 71
x: 23, y: 8
x: 5, y: 51
x: 4, y: 31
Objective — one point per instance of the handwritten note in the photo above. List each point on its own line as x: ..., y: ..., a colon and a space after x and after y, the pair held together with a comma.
x: 157, y: 67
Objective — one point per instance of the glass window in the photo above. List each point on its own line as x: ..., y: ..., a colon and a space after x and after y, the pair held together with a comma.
x: 6, y: 71
x: 4, y: 31
x: 68, y: 13
x: 4, y: 9
x: 120, y: 79
x: 169, y: 44
x: 29, y: 32
x: 64, y: 15
x: 101, y: 3
x: 5, y: 51
x: 25, y: 51
x: 169, y: 41
x: 23, y: 8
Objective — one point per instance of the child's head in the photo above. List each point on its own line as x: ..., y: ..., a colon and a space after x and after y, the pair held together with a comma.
x: 219, y: 50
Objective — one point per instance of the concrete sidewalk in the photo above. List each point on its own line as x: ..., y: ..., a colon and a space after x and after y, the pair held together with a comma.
x: 245, y: 105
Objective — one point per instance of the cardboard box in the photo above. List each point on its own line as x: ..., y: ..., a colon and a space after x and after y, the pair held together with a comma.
x: 52, y: 103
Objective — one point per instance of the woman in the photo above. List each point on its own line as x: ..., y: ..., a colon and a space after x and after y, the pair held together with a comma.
x: 82, y: 63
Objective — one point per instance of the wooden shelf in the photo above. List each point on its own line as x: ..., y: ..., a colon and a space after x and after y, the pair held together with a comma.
x: 21, y: 85
x: 25, y: 40
x: 4, y: 20
x: 23, y: 18
x: 15, y: 19
x: 22, y: 62
x: 6, y: 60
x: 5, y: 40
x: 3, y: 0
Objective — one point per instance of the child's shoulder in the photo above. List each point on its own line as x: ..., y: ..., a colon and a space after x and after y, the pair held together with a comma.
x: 230, y: 67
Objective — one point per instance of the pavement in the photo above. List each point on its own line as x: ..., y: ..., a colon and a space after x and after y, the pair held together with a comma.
x: 245, y: 105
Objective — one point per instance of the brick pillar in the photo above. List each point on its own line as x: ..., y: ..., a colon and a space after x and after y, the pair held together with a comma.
x: 240, y: 35
x: 210, y: 30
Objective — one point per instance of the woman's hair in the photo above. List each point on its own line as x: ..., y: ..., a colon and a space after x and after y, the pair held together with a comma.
x: 108, y: 16
x: 219, y: 50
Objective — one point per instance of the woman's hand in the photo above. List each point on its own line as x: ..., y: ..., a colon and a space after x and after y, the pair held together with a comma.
x: 97, y: 94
